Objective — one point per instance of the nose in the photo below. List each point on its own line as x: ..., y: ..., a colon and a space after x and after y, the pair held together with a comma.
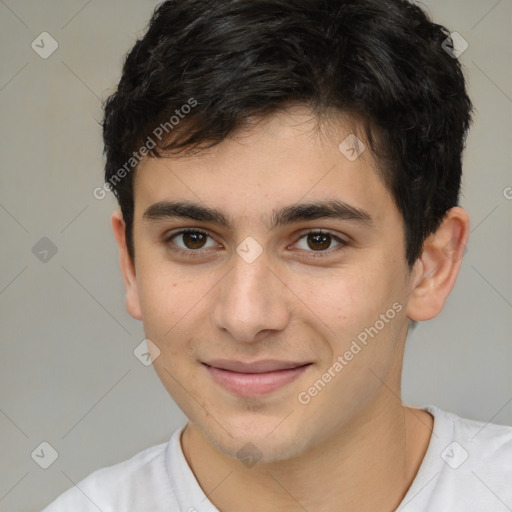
x: 251, y: 298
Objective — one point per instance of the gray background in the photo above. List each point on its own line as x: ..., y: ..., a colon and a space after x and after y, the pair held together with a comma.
x: 68, y: 375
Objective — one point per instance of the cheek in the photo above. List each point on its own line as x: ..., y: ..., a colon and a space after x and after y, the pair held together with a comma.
x: 170, y: 309
x: 344, y: 301
x: 165, y: 302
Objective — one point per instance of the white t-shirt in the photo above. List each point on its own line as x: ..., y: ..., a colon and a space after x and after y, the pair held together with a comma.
x: 467, y: 468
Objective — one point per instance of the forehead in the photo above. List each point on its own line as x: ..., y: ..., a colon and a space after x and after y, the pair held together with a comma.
x: 282, y: 160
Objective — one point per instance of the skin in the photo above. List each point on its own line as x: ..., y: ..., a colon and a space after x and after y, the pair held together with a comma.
x: 354, y: 446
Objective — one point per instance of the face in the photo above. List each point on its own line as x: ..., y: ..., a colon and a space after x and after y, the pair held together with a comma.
x: 275, y: 323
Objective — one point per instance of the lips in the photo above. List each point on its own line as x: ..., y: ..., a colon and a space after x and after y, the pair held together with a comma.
x: 267, y: 365
x: 256, y: 378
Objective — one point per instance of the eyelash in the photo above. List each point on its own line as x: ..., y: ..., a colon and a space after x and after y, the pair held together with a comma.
x: 200, y: 253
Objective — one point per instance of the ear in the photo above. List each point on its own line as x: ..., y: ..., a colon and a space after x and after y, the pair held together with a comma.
x: 436, y: 270
x: 127, y: 267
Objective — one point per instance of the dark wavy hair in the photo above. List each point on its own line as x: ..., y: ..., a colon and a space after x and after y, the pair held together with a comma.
x: 381, y: 61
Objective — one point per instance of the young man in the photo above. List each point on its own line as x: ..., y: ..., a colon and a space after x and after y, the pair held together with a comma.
x: 288, y: 173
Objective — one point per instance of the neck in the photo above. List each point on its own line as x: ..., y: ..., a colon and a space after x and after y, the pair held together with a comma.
x: 367, y: 465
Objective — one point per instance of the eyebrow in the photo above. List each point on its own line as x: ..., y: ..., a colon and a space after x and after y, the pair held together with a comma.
x: 335, y: 209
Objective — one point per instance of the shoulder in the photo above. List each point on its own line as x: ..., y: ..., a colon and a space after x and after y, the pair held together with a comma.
x: 134, y: 484
x: 484, y: 442
x: 468, y: 465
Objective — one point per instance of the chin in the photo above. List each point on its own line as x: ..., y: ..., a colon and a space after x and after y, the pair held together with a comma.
x: 258, y: 440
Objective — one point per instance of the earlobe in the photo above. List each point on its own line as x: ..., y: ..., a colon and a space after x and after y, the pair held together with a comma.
x: 127, y: 267
x: 435, y: 272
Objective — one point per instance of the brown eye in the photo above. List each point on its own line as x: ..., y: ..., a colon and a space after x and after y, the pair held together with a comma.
x: 194, y: 239
x: 191, y: 240
x: 320, y: 241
